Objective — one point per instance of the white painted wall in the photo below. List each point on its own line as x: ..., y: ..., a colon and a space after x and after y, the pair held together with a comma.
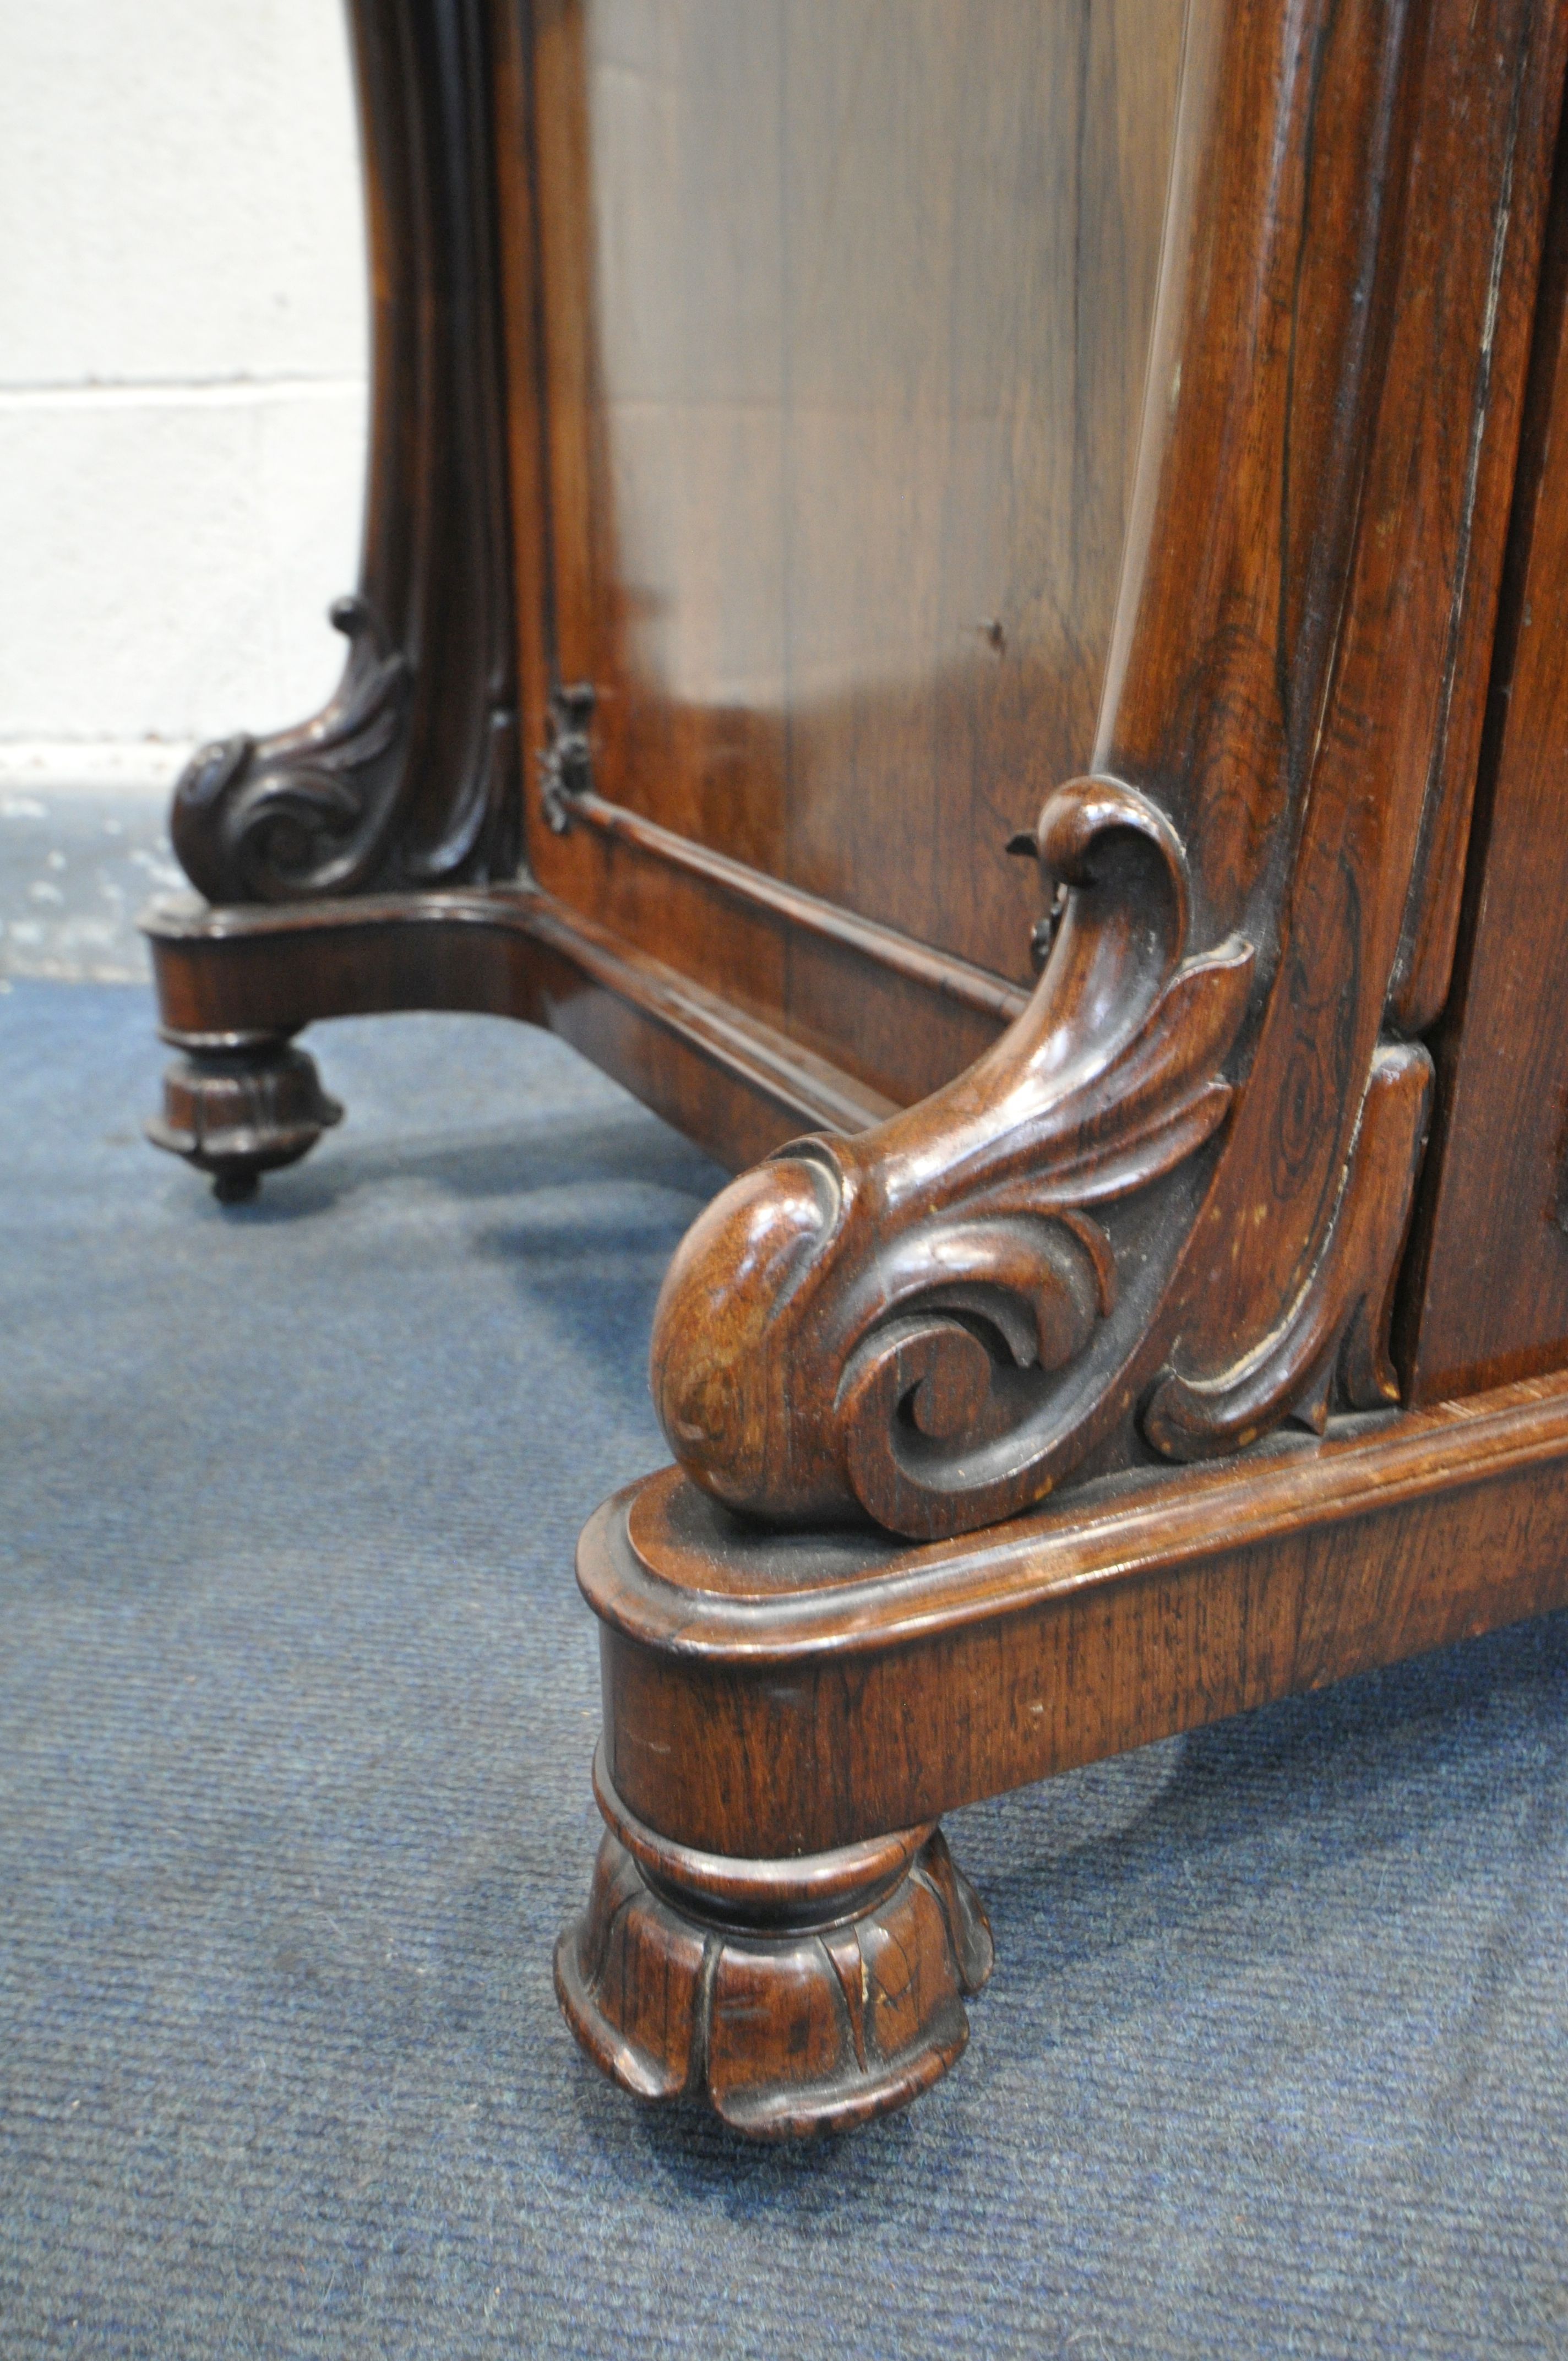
x: 183, y: 359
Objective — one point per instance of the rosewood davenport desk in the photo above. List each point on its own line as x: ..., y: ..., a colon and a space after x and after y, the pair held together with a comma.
x: 968, y: 596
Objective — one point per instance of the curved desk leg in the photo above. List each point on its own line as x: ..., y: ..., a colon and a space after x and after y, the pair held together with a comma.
x: 1163, y: 1216
x: 407, y: 780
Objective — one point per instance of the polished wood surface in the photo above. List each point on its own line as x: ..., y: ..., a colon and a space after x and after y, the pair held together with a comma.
x: 735, y: 1086
x: 845, y: 315
x: 1488, y: 1292
x: 767, y: 1695
x: 1164, y: 1212
x: 867, y: 304
x: 773, y: 521
x: 937, y: 1319
x: 773, y: 1709
x: 852, y: 2004
x: 926, y: 1324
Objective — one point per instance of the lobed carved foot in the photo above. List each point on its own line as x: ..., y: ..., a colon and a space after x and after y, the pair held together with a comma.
x: 794, y: 1997
x: 238, y: 1112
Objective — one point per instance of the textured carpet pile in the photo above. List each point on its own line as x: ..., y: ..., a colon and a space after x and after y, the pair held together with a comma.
x: 297, y: 1703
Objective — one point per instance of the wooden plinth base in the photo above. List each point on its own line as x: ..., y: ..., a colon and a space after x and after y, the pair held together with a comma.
x: 795, y: 1997
x: 784, y: 1700
x: 264, y: 970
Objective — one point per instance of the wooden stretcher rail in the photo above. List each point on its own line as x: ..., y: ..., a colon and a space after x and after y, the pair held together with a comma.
x: 954, y: 979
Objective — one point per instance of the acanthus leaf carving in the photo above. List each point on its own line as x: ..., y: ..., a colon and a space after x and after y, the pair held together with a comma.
x: 1332, y: 1340
x: 298, y: 813
x: 407, y: 775
x: 931, y: 1323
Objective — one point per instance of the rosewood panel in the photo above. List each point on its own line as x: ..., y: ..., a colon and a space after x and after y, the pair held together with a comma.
x: 845, y: 319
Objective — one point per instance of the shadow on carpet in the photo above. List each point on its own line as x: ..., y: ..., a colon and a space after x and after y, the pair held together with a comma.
x: 297, y: 1702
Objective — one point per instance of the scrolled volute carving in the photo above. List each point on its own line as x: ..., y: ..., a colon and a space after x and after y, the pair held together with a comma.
x: 932, y: 1323
x: 300, y: 813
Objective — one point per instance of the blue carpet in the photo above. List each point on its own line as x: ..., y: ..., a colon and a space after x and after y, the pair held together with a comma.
x: 297, y: 1701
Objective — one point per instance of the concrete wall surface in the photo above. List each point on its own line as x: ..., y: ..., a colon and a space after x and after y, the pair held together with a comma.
x: 182, y: 366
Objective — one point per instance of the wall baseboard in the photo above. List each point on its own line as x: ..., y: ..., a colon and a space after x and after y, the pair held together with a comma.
x: 142, y: 766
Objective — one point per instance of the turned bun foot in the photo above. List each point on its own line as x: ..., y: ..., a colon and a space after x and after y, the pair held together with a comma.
x: 794, y: 1997
x: 238, y: 1112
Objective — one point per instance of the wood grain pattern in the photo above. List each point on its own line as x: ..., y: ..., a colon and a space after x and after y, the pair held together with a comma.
x: 245, y: 980
x: 808, y: 915
x: 1487, y: 1292
x: 409, y: 774
x: 766, y: 1695
x: 1373, y: 694
x: 1277, y: 713
x: 795, y: 1998
x: 775, y: 1710
x: 775, y: 371
x: 825, y: 1339
x: 846, y: 313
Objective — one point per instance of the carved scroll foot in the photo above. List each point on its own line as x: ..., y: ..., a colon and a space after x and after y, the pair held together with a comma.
x: 239, y: 1113
x: 794, y: 1997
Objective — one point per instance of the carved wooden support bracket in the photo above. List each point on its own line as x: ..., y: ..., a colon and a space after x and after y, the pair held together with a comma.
x: 932, y: 1323
x: 298, y: 813
x: 408, y: 777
